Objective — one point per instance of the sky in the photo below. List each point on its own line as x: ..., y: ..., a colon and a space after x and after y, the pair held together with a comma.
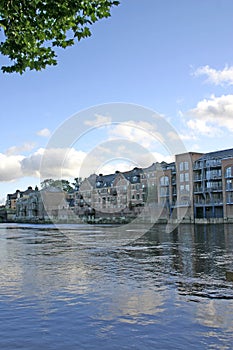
x: 153, y: 80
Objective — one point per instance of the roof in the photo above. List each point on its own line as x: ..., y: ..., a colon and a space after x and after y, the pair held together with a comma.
x: 227, y: 153
x: 19, y: 193
x: 133, y: 176
x: 105, y: 180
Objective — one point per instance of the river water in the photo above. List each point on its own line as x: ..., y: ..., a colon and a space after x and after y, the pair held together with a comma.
x: 59, y: 289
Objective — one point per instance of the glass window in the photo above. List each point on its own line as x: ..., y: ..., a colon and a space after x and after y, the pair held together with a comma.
x: 229, y: 172
x: 186, y: 166
x: 186, y: 176
x: 187, y: 188
x: 164, y: 181
x: 229, y: 185
x: 181, y: 166
x: 181, y: 177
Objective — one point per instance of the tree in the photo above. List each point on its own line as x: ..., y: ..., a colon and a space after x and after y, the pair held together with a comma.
x: 61, y: 184
x: 77, y: 182
x: 33, y: 28
x: 47, y: 183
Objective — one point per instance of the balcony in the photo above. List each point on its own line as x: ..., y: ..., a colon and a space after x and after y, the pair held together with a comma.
x: 198, y: 189
x: 209, y: 202
x: 198, y: 178
x: 198, y: 166
x: 213, y: 163
x: 214, y: 189
x: 214, y: 177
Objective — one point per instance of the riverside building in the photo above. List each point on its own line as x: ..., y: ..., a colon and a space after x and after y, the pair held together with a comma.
x: 195, y: 188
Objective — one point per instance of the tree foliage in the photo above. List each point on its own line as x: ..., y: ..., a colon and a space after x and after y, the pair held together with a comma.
x: 62, y: 184
x: 32, y: 29
x: 77, y: 182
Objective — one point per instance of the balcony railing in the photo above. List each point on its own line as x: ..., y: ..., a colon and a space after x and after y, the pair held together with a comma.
x: 198, y: 178
x: 198, y: 189
x: 214, y: 189
x: 209, y: 202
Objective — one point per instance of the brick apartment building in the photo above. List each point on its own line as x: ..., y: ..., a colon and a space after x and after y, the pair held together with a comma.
x: 196, y: 187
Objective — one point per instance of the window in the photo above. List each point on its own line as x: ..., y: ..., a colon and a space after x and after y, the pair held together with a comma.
x: 164, y: 181
x: 229, y: 197
x: 229, y: 185
x: 181, y: 177
x: 229, y: 171
x: 187, y: 188
x: 186, y: 166
x: 181, y: 188
x: 181, y: 166
x: 186, y: 177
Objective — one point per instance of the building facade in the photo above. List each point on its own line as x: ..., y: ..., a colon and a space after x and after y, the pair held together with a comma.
x: 213, y: 189
x: 195, y: 188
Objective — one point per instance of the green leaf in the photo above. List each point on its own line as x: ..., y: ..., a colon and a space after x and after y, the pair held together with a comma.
x: 33, y: 29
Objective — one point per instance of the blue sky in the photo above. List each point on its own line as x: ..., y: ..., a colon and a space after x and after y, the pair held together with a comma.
x: 172, y: 57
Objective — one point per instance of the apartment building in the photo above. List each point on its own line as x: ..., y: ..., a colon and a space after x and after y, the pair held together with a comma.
x: 213, y: 190
x: 12, y: 198
x: 196, y: 187
x: 184, y: 164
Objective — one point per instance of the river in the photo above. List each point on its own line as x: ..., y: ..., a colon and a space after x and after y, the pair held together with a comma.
x: 64, y: 288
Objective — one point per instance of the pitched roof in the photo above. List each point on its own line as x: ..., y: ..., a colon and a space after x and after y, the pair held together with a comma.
x: 19, y: 193
x: 105, y: 180
x: 133, y: 175
x: 227, y: 153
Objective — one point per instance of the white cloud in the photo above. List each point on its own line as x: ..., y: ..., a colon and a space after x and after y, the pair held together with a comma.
x: 53, y: 163
x: 69, y: 163
x: 26, y: 147
x: 99, y: 120
x: 10, y: 167
x: 140, y: 132
x: 202, y: 127
x: 212, y: 116
x: 216, y: 77
x: 44, y: 163
x: 44, y: 132
x: 159, y: 157
x: 111, y: 168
